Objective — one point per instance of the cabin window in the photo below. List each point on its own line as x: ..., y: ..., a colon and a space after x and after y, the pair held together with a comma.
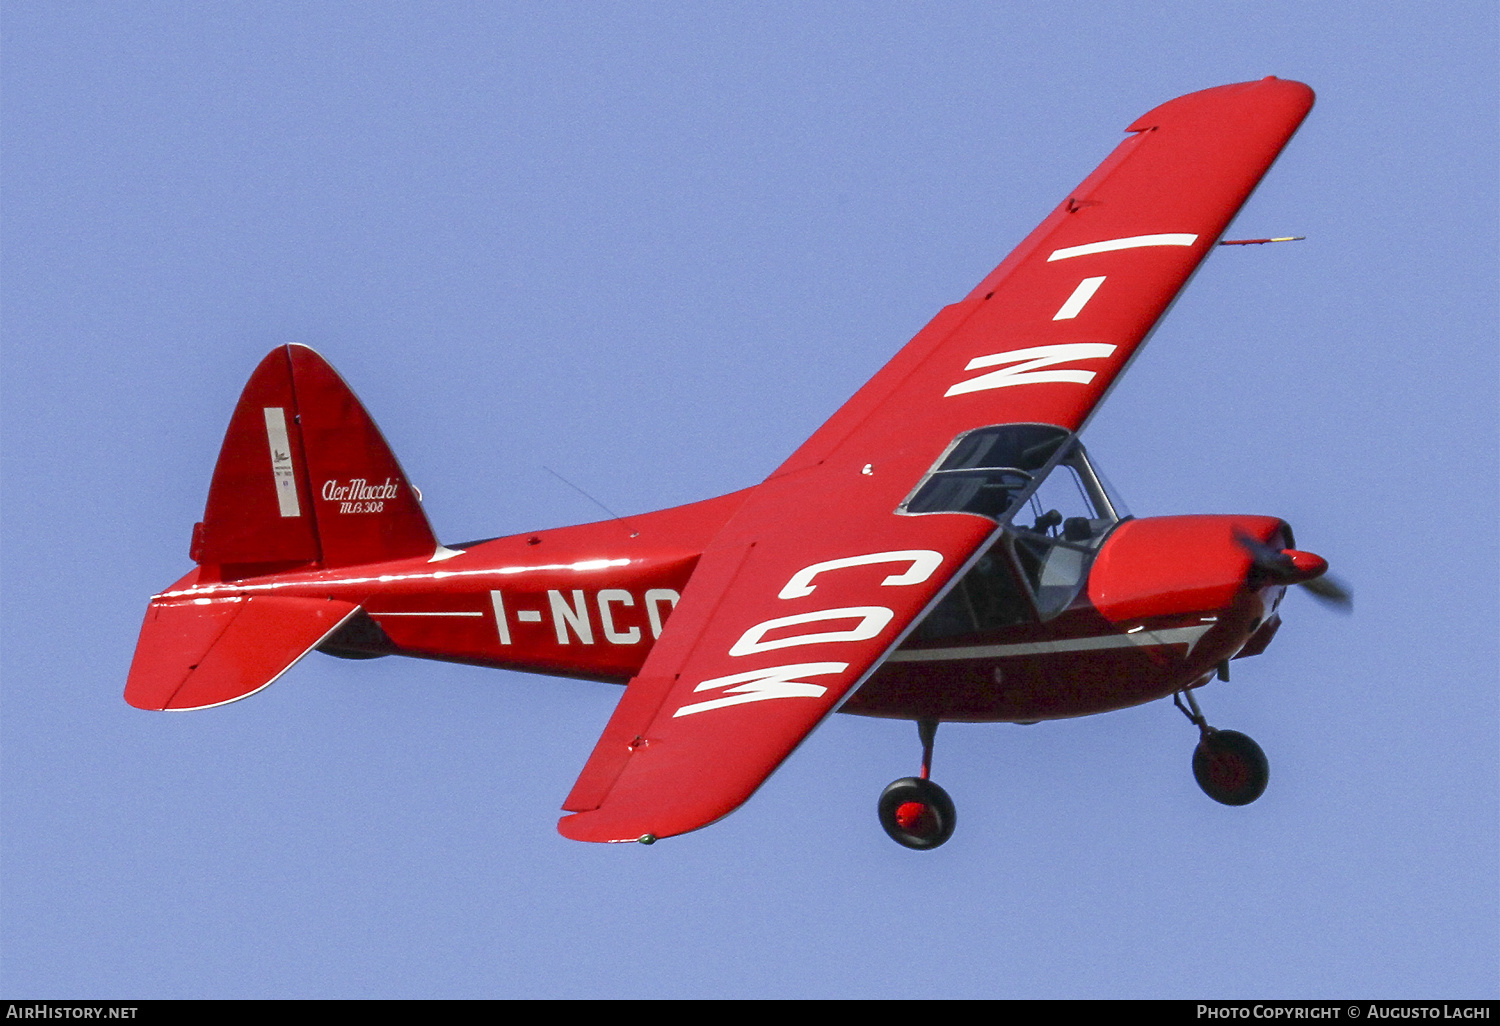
x: 1055, y: 523
x: 988, y: 596
x: 987, y: 471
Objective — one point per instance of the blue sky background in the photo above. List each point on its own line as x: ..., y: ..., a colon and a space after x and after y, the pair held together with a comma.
x: 653, y: 246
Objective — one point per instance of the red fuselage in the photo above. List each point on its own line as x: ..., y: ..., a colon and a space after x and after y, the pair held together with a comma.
x: 1167, y: 601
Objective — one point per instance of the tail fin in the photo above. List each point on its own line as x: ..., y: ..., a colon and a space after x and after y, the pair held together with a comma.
x: 305, y: 477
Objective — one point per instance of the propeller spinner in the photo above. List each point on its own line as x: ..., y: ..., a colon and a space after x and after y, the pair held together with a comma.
x: 1293, y: 566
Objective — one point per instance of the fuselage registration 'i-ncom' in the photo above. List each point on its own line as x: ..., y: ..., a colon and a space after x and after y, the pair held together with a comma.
x: 942, y: 549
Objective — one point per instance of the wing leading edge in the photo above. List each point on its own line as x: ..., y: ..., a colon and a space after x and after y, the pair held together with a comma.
x: 822, y: 571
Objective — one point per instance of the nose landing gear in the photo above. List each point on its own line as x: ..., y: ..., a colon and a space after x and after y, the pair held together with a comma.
x: 1229, y: 767
x: 914, y: 811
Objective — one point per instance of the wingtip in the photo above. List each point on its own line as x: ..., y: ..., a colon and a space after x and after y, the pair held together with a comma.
x: 636, y: 826
x: 597, y: 829
x: 1276, y: 97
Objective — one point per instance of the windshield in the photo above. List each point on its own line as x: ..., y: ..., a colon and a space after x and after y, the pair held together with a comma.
x: 1055, y: 534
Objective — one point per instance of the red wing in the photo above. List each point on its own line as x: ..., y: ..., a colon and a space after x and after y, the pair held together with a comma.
x: 795, y: 601
x: 1042, y: 338
x: 824, y: 569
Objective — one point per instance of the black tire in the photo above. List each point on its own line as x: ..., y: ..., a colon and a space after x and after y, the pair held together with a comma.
x: 1231, y: 768
x: 917, y: 813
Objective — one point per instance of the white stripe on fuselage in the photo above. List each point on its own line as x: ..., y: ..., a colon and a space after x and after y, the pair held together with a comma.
x: 1144, y: 639
x: 442, y: 613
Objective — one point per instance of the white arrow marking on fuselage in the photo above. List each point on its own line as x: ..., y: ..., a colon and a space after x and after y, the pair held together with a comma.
x: 1141, y: 638
x: 761, y: 685
x: 1029, y: 372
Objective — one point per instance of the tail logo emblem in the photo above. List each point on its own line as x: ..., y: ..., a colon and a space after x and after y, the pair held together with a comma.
x: 360, y: 496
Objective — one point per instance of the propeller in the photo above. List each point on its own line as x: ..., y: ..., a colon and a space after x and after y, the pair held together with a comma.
x: 1293, y: 566
x: 1332, y: 592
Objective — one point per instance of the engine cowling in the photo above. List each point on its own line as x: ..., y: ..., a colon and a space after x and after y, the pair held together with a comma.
x: 1160, y: 566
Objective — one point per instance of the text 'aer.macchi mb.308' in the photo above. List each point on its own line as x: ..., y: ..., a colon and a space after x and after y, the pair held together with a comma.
x: 942, y: 548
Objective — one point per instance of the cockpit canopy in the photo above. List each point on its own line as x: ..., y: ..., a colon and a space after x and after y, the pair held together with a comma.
x: 1037, y: 481
x: 985, y: 471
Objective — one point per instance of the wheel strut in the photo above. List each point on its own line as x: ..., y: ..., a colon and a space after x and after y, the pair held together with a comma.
x: 1196, y: 715
x: 914, y: 811
x: 927, y: 731
x: 1229, y: 767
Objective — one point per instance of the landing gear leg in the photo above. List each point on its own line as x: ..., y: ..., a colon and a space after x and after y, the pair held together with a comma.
x: 914, y: 811
x: 1228, y: 765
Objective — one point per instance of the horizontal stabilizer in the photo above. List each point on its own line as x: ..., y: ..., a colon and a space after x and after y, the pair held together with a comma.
x: 196, y: 653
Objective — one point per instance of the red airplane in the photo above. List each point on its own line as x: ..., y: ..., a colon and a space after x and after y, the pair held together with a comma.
x: 942, y: 549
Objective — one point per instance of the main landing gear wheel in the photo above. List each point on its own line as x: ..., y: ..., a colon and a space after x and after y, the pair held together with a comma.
x: 1228, y: 765
x: 1231, y: 768
x: 915, y: 811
